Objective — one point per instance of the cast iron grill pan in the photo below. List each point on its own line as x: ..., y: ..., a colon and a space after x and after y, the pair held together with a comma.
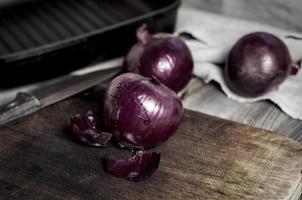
x: 42, y: 39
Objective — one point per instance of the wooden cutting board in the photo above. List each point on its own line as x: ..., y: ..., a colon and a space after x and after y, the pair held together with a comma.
x: 208, y: 158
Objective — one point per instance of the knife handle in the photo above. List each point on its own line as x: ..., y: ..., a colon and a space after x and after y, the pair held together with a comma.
x: 24, y: 104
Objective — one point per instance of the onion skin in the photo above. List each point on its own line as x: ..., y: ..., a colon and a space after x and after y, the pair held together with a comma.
x: 163, y: 56
x: 86, y: 131
x: 136, y: 168
x: 141, y: 111
x: 258, y: 63
x: 92, y: 121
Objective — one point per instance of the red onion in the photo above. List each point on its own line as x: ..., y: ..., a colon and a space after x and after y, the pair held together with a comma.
x: 258, y: 63
x: 87, y: 131
x: 136, y: 168
x: 163, y: 56
x: 141, y: 111
x: 296, y: 67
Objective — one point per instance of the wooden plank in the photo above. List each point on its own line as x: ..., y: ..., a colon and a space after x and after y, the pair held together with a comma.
x: 209, y: 99
x: 208, y: 158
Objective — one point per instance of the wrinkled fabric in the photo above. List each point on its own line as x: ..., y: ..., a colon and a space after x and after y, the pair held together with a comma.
x: 217, y: 34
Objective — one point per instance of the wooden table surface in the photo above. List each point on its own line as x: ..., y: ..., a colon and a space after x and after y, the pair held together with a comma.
x: 207, y: 158
x: 211, y: 100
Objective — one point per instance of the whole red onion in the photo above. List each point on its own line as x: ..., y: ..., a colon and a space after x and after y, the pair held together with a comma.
x: 258, y: 63
x: 163, y: 56
x: 141, y: 111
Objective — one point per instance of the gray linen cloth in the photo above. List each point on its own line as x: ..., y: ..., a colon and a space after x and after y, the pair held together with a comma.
x: 218, y: 34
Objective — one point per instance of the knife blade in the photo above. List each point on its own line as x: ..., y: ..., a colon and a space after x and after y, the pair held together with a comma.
x: 28, y: 103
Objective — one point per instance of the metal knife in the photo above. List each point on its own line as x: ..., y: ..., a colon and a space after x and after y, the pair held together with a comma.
x: 27, y: 103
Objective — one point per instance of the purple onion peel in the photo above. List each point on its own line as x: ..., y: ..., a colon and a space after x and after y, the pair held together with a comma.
x: 85, y: 130
x: 136, y: 168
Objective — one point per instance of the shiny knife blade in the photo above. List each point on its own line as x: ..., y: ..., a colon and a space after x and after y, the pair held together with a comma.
x: 27, y: 103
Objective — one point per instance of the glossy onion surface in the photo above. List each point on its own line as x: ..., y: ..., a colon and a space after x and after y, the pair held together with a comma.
x: 258, y: 63
x: 163, y: 56
x: 141, y: 111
